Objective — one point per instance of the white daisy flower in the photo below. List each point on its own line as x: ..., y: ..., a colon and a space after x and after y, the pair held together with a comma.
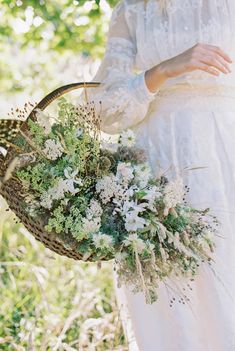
x: 127, y: 138
x: 102, y: 241
x: 133, y: 222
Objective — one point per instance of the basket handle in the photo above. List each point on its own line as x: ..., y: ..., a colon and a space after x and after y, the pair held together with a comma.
x: 57, y: 93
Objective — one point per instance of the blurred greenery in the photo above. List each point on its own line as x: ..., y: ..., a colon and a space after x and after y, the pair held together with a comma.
x: 50, y: 302
x: 50, y: 28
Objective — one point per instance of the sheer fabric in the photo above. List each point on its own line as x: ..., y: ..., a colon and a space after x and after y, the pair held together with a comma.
x: 141, y: 36
x: 188, y: 122
x: 123, y: 92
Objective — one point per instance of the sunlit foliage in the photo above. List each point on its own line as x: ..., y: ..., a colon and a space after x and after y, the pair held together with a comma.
x: 43, y: 31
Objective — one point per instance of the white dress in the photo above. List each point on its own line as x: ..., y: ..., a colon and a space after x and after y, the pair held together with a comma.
x: 188, y: 122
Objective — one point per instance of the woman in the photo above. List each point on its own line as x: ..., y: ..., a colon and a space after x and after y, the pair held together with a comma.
x: 168, y: 74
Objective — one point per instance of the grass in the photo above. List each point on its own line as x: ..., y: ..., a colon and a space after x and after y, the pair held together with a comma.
x: 48, y: 302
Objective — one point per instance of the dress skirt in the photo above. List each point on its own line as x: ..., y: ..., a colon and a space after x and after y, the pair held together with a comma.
x: 191, y: 134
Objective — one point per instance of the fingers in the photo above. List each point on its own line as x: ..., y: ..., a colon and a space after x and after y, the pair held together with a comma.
x: 208, y: 69
x: 213, y: 56
x: 220, y: 52
x: 216, y: 62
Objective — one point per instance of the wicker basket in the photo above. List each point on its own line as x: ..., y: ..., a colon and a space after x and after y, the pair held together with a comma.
x: 11, y: 189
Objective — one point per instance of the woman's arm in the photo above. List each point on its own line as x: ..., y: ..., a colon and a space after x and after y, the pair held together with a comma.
x: 208, y: 58
x: 124, y: 95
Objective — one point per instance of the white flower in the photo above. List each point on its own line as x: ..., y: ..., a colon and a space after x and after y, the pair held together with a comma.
x: 133, y: 222
x: 133, y: 206
x: 95, y: 209
x: 135, y: 241
x: 53, y: 149
x: 125, y: 171
x: 152, y: 194
x: 105, y: 186
x: 143, y: 173
x: 123, y: 194
x: 68, y: 186
x: 130, y: 191
x: 127, y: 138
x: 102, y: 241
x: 46, y: 200
x: 57, y: 192
x: 173, y: 194
x: 130, y: 210
x: 91, y: 226
x: 43, y: 121
x: 120, y: 194
x: 69, y: 174
x: 71, y: 180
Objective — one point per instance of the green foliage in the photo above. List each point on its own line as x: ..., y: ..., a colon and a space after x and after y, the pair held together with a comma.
x: 58, y: 27
x: 37, y: 132
x: 176, y: 223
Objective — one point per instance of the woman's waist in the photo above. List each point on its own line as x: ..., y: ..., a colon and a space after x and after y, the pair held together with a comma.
x: 195, y: 95
x: 191, y: 89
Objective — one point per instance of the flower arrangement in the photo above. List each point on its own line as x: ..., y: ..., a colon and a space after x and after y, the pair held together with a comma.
x: 104, y: 197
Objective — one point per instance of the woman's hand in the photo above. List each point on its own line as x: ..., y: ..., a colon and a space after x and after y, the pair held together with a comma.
x: 208, y: 58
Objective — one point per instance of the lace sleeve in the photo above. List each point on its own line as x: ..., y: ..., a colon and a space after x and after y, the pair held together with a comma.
x: 122, y: 97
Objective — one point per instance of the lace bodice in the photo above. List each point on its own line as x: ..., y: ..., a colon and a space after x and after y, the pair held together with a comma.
x: 142, y: 35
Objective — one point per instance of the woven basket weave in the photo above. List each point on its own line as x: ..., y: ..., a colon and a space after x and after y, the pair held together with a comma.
x: 11, y: 189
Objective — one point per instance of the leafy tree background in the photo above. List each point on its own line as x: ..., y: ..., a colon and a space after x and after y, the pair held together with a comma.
x: 50, y: 302
x: 36, y: 36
